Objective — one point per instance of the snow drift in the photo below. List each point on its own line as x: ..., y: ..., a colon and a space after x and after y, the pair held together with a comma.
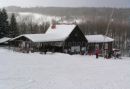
x: 61, y: 71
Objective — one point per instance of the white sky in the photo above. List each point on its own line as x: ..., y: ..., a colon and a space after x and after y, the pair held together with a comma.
x: 66, y: 3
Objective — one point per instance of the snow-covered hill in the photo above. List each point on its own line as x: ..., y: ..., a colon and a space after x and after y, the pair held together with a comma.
x: 36, y: 18
x: 61, y: 71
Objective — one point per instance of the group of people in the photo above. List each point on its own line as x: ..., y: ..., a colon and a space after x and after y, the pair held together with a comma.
x: 109, y: 53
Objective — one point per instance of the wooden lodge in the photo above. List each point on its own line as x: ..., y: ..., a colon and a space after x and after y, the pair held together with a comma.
x: 58, y: 38
x: 63, y: 38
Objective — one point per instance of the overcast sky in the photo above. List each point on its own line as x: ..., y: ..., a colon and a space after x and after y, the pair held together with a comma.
x: 66, y: 3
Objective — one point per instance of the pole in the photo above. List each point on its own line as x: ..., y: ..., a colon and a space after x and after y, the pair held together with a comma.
x: 129, y: 42
x: 107, y: 29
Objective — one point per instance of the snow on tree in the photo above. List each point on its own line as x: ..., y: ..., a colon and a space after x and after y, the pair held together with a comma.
x: 13, y: 27
x: 4, y: 25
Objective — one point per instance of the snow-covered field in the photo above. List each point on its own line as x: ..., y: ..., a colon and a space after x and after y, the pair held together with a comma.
x: 61, y: 71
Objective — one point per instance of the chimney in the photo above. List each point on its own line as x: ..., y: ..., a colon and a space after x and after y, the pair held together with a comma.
x: 53, y: 26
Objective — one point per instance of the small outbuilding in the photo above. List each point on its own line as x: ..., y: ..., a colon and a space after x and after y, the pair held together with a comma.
x: 101, y: 42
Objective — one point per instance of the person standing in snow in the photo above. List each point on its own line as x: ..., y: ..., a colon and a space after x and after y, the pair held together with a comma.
x: 97, y: 53
x: 45, y: 51
x: 110, y: 53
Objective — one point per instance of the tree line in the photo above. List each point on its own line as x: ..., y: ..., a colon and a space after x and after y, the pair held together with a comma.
x: 73, y: 11
x: 9, y: 27
x: 119, y: 31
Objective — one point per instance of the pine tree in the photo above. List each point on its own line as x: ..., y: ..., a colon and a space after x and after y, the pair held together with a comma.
x: 13, y: 27
x: 4, y: 25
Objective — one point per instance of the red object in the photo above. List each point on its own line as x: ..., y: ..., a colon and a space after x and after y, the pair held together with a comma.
x: 97, y: 51
x: 53, y: 26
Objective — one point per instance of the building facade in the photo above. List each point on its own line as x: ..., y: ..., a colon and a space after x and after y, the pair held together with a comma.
x: 58, y: 38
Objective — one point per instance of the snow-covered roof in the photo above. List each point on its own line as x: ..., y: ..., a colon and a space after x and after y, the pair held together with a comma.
x: 4, y: 39
x: 60, y: 33
x: 42, y: 37
x: 64, y: 30
x: 98, y: 38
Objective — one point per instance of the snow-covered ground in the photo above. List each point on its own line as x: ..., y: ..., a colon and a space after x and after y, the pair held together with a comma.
x: 61, y: 71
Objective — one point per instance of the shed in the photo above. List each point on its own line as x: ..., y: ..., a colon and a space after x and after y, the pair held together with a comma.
x: 99, y: 42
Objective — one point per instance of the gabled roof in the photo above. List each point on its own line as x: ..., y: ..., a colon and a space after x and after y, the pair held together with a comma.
x: 98, y: 39
x: 4, y: 39
x: 60, y: 33
x: 63, y: 30
x: 41, y: 37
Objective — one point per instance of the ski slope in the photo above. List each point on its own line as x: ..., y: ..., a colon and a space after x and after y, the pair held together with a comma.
x: 39, y: 19
x: 35, y: 18
x: 61, y: 71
